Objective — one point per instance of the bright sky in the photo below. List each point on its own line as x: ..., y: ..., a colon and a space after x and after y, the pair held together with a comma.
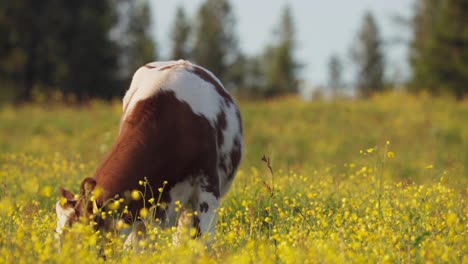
x: 323, y: 28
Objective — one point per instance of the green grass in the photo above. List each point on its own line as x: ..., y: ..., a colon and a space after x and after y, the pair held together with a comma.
x: 338, y: 193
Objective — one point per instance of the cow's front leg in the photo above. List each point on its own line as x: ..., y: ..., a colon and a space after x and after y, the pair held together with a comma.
x: 134, y: 234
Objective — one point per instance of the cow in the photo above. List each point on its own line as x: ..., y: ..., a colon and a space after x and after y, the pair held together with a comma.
x: 179, y: 129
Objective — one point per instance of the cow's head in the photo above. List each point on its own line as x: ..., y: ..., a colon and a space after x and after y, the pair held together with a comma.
x: 72, y: 207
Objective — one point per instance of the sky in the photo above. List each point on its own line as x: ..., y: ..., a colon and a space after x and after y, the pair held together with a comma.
x: 323, y: 28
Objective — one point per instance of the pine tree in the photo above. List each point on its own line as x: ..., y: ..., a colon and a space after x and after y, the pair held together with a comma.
x: 369, y: 58
x: 58, y: 45
x: 451, y: 45
x: 29, y: 31
x: 140, y: 47
x: 215, y: 45
x: 439, y: 50
x: 89, y: 55
x: 281, y: 67
x: 423, y: 24
x: 180, y: 36
x: 335, y: 69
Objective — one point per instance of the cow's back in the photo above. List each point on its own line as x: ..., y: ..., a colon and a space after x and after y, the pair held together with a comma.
x: 178, y: 123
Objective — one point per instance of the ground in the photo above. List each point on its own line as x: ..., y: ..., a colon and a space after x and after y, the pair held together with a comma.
x: 383, y: 180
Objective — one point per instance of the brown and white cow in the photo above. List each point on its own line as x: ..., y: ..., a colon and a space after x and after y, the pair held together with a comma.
x: 178, y: 125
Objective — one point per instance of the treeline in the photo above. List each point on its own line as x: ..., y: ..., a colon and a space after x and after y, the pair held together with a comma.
x: 438, y: 52
x: 90, y: 49
x: 439, y: 48
x: 82, y: 48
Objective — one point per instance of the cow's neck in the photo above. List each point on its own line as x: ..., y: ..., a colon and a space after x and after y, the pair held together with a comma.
x: 124, y: 165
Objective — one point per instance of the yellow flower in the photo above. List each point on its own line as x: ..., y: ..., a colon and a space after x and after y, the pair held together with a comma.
x: 120, y: 224
x: 390, y: 154
x: 46, y: 191
x: 144, y: 212
x: 136, y: 195
x: 115, y: 205
x: 193, y: 232
x: 451, y: 218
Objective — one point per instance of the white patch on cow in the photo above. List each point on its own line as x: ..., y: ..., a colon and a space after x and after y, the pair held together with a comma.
x: 230, y: 134
x: 199, y: 94
x: 208, y: 215
x: 179, y: 193
x: 145, y: 83
x: 133, y: 88
x: 191, y: 196
x: 133, y: 234
x: 140, y: 75
x: 162, y: 64
x: 183, y: 224
x: 63, y: 214
x: 232, y: 129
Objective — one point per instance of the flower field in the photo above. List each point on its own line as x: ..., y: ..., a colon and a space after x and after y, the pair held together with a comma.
x: 378, y: 181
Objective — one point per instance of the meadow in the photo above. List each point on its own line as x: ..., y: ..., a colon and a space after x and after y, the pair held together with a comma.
x: 377, y: 181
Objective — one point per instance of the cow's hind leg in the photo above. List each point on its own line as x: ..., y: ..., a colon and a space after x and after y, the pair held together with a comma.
x: 206, y: 207
x: 179, y: 196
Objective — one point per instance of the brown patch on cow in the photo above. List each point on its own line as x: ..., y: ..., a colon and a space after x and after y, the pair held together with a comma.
x: 239, y: 119
x: 83, y: 207
x: 236, y: 154
x: 87, y: 186
x: 128, y: 217
x: 221, y: 125
x: 162, y: 139
x: 171, y: 66
x: 204, y: 207
x: 71, y: 201
x: 203, y: 74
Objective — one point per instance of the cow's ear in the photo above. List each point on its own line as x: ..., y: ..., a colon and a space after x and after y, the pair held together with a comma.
x: 128, y: 217
x: 69, y: 196
x: 87, y: 186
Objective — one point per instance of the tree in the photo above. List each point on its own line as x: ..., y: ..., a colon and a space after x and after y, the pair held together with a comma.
x: 439, y: 49
x: 58, y: 45
x: 26, y: 37
x: 335, y: 69
x: 180, y: 36
x: 369, y: 58
x: 281, y: 67
x: 423, y: 24
x: 89, y: 55
x: 138, y: 45
x: 215, y: 45
x: 246, y: 76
